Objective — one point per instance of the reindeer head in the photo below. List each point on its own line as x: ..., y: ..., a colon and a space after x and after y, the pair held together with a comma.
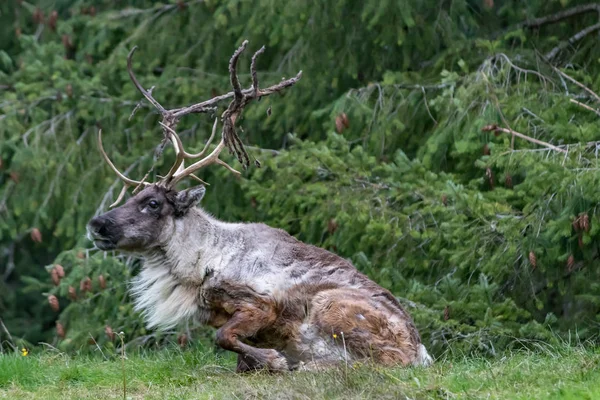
x: 144, y: 221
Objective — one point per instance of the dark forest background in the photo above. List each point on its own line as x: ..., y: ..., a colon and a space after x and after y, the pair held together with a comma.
x: 448, y: 148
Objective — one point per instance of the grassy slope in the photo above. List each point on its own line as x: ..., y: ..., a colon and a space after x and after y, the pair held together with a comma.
x: 173, y: 374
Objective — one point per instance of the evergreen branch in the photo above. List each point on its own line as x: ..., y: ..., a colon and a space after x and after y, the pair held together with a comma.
x: 525, y: 71
x: 497, y: 129
x: 572, y: 40
x: 559, y: 16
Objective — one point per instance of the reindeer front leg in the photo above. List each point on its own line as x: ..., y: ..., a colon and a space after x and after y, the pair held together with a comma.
x: 245, y: 323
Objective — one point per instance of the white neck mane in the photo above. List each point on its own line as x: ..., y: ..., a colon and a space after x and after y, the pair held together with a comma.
x: 168, y: 288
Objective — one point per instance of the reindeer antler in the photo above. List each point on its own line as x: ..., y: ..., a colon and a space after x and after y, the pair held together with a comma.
x: 230, y: 138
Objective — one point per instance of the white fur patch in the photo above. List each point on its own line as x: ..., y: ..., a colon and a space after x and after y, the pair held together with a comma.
x: 423, y: 357
x: 163, y: 301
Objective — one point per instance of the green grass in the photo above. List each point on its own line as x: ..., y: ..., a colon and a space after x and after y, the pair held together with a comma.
x: 566, y: 373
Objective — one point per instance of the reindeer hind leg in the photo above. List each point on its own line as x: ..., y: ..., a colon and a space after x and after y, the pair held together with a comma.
x: 364, y: 327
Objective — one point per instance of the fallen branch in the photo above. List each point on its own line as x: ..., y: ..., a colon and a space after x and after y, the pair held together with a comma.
x: 561, y: 15
x: 572, y: 40
x: 585, y: 106
x: 576, y: 82
x: 497, y: 129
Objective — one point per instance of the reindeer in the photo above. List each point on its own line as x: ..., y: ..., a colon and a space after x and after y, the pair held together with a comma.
x: 278, y: 303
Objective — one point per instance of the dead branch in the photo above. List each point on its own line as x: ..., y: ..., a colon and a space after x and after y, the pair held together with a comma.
x: 576, y: 82
x: 572, y: 40
x: 585, y: 106
x: 496, y: 128
x: 559, y: 16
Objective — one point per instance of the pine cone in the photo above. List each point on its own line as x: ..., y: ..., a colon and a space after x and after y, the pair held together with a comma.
x: 53, y: 301
x: 182, y: 339
x: 486, y: 150
x: 339, y: 124
x: 446, y: 313
x: 533, y: 259
x: 36, y: 235
x: 72, y: 293
x: 14, y: 177
x: 59, y: 270
x: 570, y: 263
x: 85, y: 284
x: 52, y: 20
x: 60, y: 330
x: 38, y: 16
x: 576, y: 224
x: 584, y: 222
x: 488, y: 128
x: 332, y: 226
x: 102, y: 281
x: 444, y: 200
x: 508, y: 181
x: 55, y: 277
x: 490, y: 175
x: 345, y: 121
x: 67, y: 43
x: 109, y: 333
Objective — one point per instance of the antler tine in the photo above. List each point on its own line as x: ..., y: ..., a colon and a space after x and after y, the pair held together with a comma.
x: 208, y: 142
x: 121, y: 195
x: 179, y: 152
x: 125, y: 179
x: 212, y: 158
x: 139, y: 87
x: 253, y: 71
x: 178, y: 168
x: 230, y: 139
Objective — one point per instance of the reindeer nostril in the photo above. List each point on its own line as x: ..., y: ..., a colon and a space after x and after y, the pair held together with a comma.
x: 103, y: 231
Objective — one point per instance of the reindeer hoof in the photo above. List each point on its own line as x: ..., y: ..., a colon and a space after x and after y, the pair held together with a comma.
x: 277, y: 362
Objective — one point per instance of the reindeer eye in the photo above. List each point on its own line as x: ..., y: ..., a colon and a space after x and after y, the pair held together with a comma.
x: 153, y: 204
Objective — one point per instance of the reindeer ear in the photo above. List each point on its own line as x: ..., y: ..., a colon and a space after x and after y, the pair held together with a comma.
x: 188, y: 198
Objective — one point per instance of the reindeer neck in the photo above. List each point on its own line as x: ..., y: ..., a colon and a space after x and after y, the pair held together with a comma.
x: 197, y: 245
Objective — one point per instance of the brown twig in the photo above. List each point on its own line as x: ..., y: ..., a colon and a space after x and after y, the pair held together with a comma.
x: 496, y: 128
